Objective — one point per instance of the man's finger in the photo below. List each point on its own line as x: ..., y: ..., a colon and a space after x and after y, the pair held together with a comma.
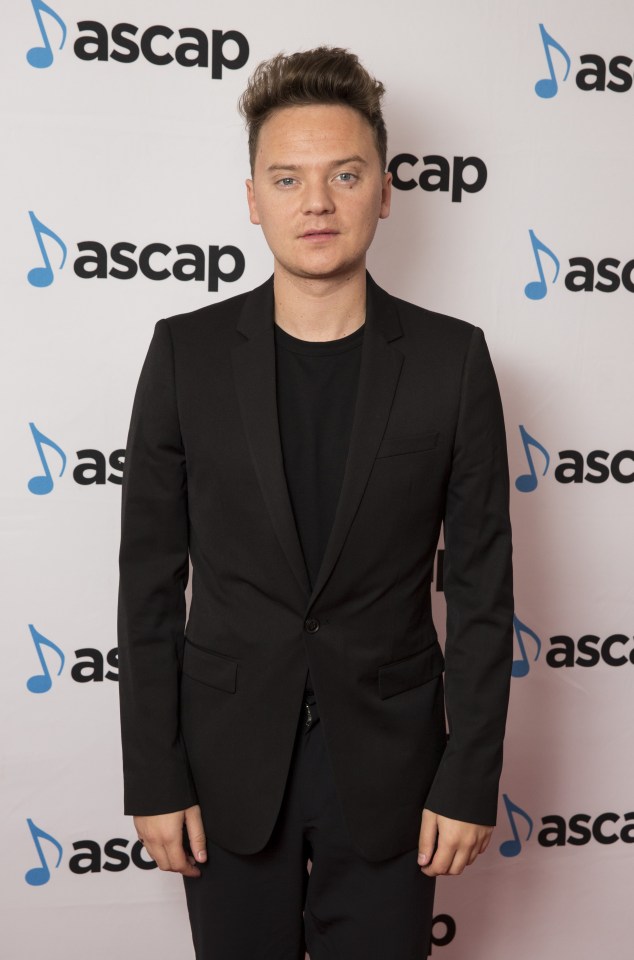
x: 441, y: 860
x: 459, y: 862
x: 427, y: 837
x: 157, y: 853
x: 474, y: 855
x: 196, y: 834
x: 178, y: 861
x: 485, y: 843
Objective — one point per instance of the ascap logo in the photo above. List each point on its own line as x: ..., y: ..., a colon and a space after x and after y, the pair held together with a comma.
x: 38, y: 876
x: 44, y: 275
x: 590, y: 650
x: 574, y: 466
x: 91, y: 469
x: 527, y: 482
x: 458, y: 175
x: 595, y: 75
x: 89, y: 856
x: 126, y: 43
x: 582, y: 828
x: 558, y: 831
x: 512, y: 847
x: 522, y: 663
x: 584, y: 276
x: 537, y: 289
x: 548, y: 87
x: 43, y: 56
x: 90, y: 665
x: 125, y: 260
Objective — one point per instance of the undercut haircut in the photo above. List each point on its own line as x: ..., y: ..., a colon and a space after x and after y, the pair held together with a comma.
x: 319, y: 76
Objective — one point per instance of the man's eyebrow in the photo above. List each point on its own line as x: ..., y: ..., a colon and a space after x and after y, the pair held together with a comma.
x: 281, y: 166
x: 355, y: 158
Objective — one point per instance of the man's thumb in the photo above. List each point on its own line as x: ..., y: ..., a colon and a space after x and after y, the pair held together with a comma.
x: 196, y: 834
x: 427, y: 838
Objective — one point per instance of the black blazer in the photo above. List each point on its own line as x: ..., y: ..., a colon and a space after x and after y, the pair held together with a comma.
x: 209, y: 707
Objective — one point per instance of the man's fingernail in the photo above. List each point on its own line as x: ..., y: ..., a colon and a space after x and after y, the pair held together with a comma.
x: 202, y: 855
x: 422, y: 858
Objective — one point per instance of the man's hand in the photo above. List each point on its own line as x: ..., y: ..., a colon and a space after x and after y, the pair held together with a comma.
x: 459, y: 843
x: 162, y: 837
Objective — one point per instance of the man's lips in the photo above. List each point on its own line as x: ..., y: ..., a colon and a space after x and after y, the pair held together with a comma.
x: 316, y: 234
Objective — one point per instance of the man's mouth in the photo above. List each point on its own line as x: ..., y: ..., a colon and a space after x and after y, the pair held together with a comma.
x: 318, y: 233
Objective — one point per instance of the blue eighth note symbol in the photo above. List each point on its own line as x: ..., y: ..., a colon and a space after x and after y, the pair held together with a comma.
x: 43, y: 276
x: 43, y: 56
x: 536, y: 289
x: 37, y: 876
x: 41, y: 682
x: 547, y: 87
x: 527, y: 482
x: 511, y: 848
x: 521, y: 666
x: 42, y: 484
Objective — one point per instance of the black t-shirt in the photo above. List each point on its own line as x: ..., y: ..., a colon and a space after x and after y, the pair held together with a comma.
x: 316, y: 393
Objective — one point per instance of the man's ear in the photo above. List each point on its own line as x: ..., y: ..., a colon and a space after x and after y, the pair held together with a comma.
x: 253, y: 208
x: 386, y: 196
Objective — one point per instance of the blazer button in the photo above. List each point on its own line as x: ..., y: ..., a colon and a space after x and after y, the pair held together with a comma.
x: 311, y: 625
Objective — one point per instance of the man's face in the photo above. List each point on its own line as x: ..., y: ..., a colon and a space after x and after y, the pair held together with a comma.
x: 318, y: 190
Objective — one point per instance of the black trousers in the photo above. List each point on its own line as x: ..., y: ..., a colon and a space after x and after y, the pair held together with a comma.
x: 267, y: 906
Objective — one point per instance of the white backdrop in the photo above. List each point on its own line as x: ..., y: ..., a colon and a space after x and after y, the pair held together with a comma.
x: 126, y: 150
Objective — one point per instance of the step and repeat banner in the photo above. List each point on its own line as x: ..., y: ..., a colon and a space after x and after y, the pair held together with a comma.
x: 511, y: 148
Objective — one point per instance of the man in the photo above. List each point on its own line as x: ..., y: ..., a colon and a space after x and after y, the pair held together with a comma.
x: 304, y: 442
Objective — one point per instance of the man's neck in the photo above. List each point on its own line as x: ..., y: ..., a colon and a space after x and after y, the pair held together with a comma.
x: 320, y: 309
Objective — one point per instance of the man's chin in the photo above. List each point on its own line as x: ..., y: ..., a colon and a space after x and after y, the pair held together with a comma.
x: 324, y: 272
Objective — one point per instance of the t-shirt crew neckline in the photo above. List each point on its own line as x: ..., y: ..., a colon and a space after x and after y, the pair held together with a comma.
x: 317, y: 348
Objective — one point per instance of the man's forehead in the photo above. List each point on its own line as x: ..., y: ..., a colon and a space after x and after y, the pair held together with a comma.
x: 315, y: 132
x: 354, y: 158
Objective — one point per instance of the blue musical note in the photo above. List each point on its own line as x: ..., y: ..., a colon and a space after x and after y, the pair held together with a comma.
x: 511, y: 848
x: 43, y: 276
x: 40, y: 485
x: 536, y: 289
x: 527, y: 482
x: 40, y: 57
x: 42, y: 682
x: 547, y: 87
x: 521, y: 667
x: 37, y: 876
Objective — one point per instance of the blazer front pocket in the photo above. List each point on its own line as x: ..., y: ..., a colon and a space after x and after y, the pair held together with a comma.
x: 391, y: 446
x: 215, y: 669
x: 400, y: 675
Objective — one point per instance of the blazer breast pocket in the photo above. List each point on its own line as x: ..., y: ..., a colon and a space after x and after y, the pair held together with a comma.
x: 414, y: 443
x: 215, y: 669
x: 400, y: 675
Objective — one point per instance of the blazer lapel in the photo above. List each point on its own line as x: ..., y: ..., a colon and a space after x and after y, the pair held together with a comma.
x: 254, y: 372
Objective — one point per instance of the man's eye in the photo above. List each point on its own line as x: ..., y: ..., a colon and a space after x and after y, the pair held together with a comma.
x: 286, y: 181
x: 347, y: 177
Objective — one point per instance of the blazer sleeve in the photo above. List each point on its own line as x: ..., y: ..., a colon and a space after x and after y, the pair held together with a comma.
x: 478, y: 586
x: 153, y: 575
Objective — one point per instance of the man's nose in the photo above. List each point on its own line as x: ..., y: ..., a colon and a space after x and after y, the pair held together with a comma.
x: 317, y: 199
